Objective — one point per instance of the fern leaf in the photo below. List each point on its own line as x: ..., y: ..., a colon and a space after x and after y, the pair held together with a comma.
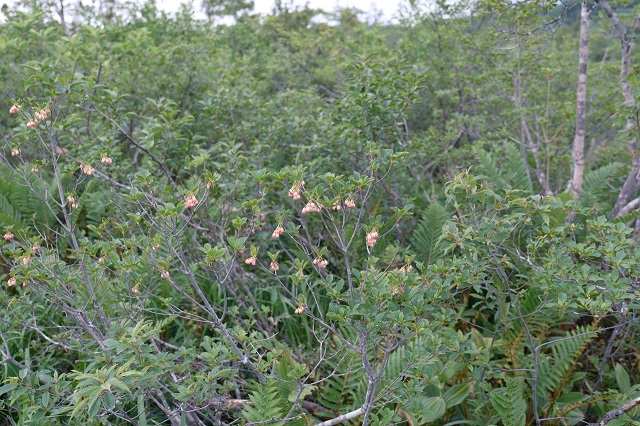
x: 516, y: 170
x: 555, y: 369
x: 509, y: 403
x: 428, y: 231
x: 594, y: 187
x: 627, y: 218
x: 266, y: 405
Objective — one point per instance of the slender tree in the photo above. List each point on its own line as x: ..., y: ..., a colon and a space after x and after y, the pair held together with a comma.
x: 581, y: 97
x: 627, y: 38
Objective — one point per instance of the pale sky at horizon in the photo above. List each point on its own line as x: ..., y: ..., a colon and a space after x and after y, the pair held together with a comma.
x: 387, y: 7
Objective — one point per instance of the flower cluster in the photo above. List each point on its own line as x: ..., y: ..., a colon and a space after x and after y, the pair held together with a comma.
x: 164, y: 274
x: 72, y: 201
x: 8, y: 236
x: 278, y: 231
x: 336, y: 206
x: 14, y: 109
x: 299, y: 309
x: 405, y: 269
x: 251, y: 260
x: 372, y: 238
x: 396, y: 290
x: 320, y: 262
x: 311, y: 207
x: 87, y: 169
x: 190, y: 201
x: 26, y: 260
x: 106, y: 160
x: 32, y: 123
x: 42, y: 114
x: 274, y: 266
x: 296, y: 190
x: 349, y: 203
x: 15, y: 152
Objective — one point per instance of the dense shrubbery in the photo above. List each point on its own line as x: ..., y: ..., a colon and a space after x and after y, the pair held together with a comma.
x: 283, y: 221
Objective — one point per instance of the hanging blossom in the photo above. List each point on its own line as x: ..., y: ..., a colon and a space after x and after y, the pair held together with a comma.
x: 372, y: 238
x: 397, y: 290
x: 349, y: 203
x: 274, y: 266
x: 405, y: 269
x: 300, y: 309
x: 8, y: 236
x: 320, y: 262
x: 15, y: 152
x: 42, y: 114
x: 296, y: 190
x: 278, y: 231
x: 190, y: 201
x: 87, y: 169
x: 106, y: 160
x: 311, y: 206
x: 72, y: 201
x: 251, y: 260
x: 12, y: 281
x: 14, y: 109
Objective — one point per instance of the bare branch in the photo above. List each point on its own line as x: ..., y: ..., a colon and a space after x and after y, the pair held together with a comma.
x: 617, y: 413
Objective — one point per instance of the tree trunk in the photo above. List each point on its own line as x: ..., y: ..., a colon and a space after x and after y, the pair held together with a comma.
x: 581, y: 102
x: 632, y: 183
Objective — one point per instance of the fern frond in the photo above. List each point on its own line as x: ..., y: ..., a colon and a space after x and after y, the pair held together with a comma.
x: 509, y: 403
x: 345, y: 388
x: 594, y: 187
x: 266, y: 405
x: 516, y: 170
x: 627, y: 217
x: 487, y: 164
x: 427, y: 233
x: 511, y: 174
x: 555, y: 369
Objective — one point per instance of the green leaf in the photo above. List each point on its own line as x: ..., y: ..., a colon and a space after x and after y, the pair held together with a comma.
x: 622, y: 378
x: 6, y: 388
x: 142, y: 417
x: 94, y: 405
x: 434, y: 408
x: 456, y: 394
x: 119, y: 384
x: 306, y: 391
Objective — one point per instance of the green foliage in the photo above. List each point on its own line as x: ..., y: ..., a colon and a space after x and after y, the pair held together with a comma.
x: 509, y: 403
x: 212, y: 224
x: 428, y: 232
x: 264, y: 404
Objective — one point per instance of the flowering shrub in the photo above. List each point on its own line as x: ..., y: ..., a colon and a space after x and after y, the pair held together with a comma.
x: 187, y: 241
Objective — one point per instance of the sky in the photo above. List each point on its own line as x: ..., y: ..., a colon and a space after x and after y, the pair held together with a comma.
x: 387, y: 7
